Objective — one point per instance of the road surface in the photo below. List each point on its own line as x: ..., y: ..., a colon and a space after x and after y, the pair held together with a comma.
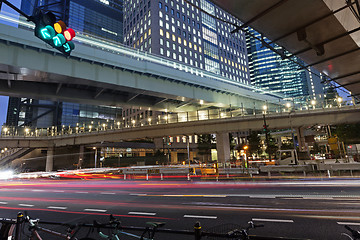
x: 301, y: 209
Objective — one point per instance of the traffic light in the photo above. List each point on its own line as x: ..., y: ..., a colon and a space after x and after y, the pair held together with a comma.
x: 54, y: 33
x: 265, y: 128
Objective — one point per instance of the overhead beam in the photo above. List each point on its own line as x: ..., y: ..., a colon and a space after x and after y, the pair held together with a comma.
x: 260, y: 15
x: 310, y: 23
x: 58, y: 88
x: 324, y: 42
x: 99, y: 92
x: 333, y: 57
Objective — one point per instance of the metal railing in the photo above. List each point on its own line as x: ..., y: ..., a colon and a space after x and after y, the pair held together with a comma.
x: 169, y: 118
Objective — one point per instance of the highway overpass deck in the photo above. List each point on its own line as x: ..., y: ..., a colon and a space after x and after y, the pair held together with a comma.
x: 176, y: 125
x: 107, y: 73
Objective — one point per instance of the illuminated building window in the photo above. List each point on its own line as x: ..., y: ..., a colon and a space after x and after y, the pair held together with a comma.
x: 161, y: 32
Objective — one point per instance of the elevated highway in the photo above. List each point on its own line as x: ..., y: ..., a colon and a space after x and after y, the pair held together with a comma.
x: 178, y: 127
x: 107, y: 73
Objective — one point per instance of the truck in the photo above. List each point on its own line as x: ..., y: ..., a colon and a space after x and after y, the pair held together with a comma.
x: 292, y: 157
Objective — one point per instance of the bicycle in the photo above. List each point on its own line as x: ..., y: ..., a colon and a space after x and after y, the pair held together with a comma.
x: 115, y: 225
x: 354, y: 234
x: 14, y: 229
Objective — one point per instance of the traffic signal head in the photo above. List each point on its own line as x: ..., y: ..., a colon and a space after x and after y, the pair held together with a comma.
x: 265, y: 127
x: 53, y: 32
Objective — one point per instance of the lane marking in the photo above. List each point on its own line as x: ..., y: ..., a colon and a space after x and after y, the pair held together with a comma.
x: 55, y: 207
x: 26, y: 205
x: 197, y: 216
x: 137, y: 194
x: 318, y: 198
x: 59, y: 191
x: 272, y: 220
x: 94, y: 210
x: 110, y: 193
x: 348, y: 223
x: 261, y: 196
x: 82, y: 192
x: 220, y: 196
x: 38, y: 190
x: 3, y: 203
x: 142, y: 213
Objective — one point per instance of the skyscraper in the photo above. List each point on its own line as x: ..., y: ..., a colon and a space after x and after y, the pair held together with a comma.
x: 188, y: 31
x: 269, y: 71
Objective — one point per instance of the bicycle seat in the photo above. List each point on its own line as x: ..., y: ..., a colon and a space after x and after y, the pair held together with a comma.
x: 156, y: 224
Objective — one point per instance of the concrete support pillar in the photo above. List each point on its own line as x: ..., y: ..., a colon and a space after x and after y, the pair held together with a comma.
x: 223, y: 147
x: 49, y: 159
x: 301, y: 139
x: 174, y: 157
x: 81, y: 156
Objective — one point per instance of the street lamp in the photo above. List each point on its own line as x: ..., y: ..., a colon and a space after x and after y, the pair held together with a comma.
x: 264, y: 108
x: 288, y: 105
x: 95, y: 156
x: 339, y: 100
x: 5, y: 130
x: 313, y: 102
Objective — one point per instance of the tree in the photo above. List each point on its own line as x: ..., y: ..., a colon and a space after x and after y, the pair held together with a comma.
x: 272, y: 148
x: 205, y: 144
x: 288, y: 144
x: 254, y: 143
x: 347, y: 133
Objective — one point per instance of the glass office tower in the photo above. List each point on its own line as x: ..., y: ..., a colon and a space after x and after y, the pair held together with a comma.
x: 269, y: 71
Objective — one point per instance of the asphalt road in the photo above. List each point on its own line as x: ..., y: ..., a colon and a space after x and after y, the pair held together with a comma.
x: 291, y: 209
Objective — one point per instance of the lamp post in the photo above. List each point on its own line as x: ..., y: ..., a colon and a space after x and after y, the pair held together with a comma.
x: 266, y: 130
x: 292, y: 135
x: 95, y: 148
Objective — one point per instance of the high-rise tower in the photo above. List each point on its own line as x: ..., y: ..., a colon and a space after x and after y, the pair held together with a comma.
x: 189, y: 32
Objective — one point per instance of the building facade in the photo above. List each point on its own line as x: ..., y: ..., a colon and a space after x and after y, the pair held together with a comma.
x: 182, y: 31
x: 269, y: 71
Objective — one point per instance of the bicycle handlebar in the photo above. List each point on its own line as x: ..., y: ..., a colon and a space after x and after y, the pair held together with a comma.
x: 354, y: 233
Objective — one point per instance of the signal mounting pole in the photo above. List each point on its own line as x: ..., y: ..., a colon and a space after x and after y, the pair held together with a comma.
x: 266, y: 136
